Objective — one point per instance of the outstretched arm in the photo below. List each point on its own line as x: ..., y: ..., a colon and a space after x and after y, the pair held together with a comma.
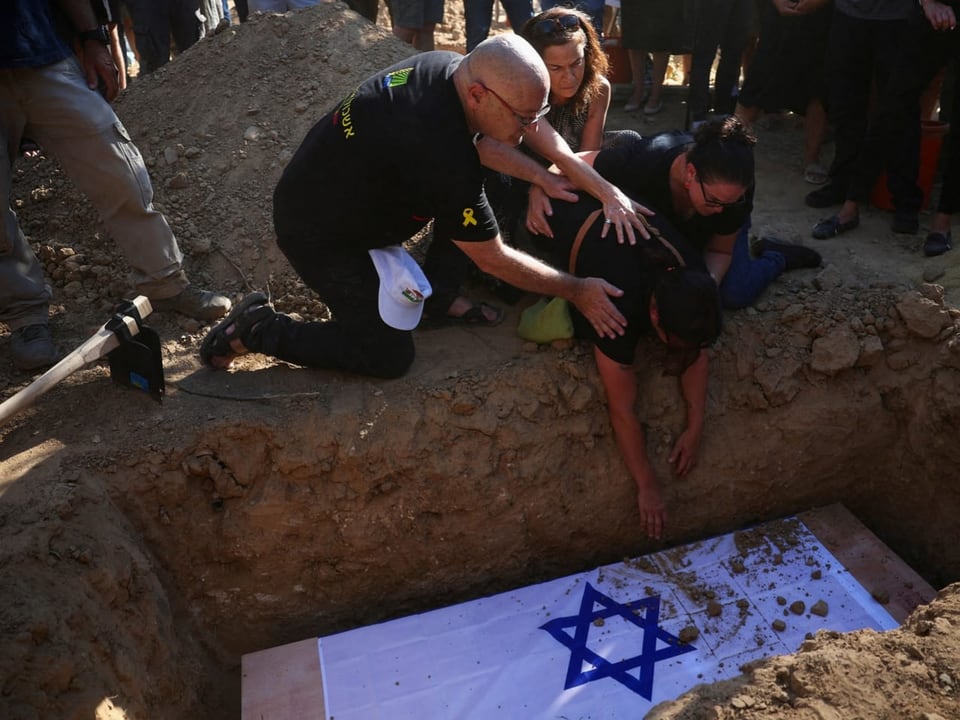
x: 693, y: 385
x: 508, y: 160
x: 620, y: 385
x: 590, y: 295
x: 618, y: 209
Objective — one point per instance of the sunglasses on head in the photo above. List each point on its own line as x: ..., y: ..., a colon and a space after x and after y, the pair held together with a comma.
x: 562, y: 23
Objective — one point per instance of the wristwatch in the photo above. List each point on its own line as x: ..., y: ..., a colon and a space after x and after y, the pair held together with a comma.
x: 100, y: 34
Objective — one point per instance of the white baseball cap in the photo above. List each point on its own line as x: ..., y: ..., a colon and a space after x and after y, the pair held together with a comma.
x: 403, y: 287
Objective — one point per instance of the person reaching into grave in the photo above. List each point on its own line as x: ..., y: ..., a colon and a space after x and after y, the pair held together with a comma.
x: 668, y: 294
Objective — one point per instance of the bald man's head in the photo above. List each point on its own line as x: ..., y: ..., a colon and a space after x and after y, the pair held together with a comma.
x: 504, y: 85
x: 508, y: 58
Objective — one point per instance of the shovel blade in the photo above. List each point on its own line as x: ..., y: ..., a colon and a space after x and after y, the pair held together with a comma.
x: 138, y: 362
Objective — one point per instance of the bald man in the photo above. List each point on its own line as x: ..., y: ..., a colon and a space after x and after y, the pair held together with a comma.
x: 399, y: 151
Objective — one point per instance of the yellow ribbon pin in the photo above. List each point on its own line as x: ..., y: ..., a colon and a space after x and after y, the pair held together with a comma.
x: 468, y: 218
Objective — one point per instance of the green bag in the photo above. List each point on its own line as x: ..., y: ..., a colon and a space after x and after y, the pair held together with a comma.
x: 543, y: 322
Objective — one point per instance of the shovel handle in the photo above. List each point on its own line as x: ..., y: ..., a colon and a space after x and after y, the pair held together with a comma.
x: 93, y: 349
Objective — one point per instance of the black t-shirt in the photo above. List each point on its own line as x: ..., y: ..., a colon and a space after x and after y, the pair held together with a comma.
x: 635, y: 269
x: 640, y: 166
x: 393, y: 154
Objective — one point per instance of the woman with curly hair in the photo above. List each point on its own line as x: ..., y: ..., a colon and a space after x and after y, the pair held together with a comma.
x: 579, y: 99
x: 579, y: 89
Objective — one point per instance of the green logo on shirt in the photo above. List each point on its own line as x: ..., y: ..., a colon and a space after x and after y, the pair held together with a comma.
x: 396, y: 78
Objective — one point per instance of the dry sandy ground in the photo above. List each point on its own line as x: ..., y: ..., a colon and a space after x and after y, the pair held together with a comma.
x: 128, y: 592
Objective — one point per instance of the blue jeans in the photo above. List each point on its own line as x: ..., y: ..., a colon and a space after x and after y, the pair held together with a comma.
x: 593, y: 8
x: 747, y: 276
x: 478, y: 14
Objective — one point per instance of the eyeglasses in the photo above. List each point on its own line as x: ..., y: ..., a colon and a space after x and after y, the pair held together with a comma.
x: 713, y: 202
x: 524, y: 120
x: 563, y: 23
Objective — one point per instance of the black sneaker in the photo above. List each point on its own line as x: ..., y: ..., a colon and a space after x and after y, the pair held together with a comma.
x: 830, y: 194
x: 32, y: 347
x: 797, y: 256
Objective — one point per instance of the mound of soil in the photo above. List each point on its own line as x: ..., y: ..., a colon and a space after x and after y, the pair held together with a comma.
x: 146, y: 547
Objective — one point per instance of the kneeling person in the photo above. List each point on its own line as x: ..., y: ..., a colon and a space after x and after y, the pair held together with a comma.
x: 667, y: 292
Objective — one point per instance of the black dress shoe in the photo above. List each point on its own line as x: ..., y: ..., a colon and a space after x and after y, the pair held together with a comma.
x: 831, y: 227
x: 826, y: 196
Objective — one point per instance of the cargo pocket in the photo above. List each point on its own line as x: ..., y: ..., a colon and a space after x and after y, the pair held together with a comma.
x: 135, y: 162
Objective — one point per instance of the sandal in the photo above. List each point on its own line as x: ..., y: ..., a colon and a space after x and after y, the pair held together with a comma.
x: 816, y: 174
x: 474, y: 316
x: 237, y: 325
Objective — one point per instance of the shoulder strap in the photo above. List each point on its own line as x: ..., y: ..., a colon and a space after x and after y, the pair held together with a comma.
x: 592, y: 218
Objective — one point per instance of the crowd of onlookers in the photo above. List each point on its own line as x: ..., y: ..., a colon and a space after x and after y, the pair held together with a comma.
x: 867, y: 71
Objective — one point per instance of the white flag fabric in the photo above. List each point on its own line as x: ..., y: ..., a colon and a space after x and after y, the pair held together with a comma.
x: 609, y: 643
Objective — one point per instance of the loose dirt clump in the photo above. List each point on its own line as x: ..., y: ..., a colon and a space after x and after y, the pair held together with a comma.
x: 146, y: 547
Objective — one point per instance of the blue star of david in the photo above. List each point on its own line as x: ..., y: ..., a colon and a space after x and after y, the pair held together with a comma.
x: 645, y: 614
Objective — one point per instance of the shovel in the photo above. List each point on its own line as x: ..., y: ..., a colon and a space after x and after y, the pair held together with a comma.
x: 132, y: 348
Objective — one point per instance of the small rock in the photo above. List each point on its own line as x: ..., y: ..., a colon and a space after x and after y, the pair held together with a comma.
x: 934, y: 271
x: 797, y: 607
x: 252, y: 134
x: 178, y: 181
x: 838, y: 350
x: 871, y: 350
x: 778, y: 625
x: 922, y: 316
x: 820, y: 608
x: 688, y: 634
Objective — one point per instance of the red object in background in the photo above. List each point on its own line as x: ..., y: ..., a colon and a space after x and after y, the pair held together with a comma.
x: 619, y: 71
x: 932, y: 133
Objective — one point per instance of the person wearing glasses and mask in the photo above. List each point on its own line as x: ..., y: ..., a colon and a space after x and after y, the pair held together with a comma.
x: 396, y: 153
x: 704, y: 183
